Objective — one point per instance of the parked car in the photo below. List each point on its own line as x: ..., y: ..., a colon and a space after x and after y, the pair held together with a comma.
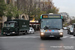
x: 73, y: 25
x: 65, y: 28
x: 31, y: 30
x: 71, y: 30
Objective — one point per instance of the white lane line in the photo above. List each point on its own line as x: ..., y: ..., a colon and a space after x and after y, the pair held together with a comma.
x: 22, y: 37
x: 72, y: 37
x: 31, y: 37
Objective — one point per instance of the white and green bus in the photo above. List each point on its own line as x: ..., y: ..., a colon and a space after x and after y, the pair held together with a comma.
x: 51, y: 26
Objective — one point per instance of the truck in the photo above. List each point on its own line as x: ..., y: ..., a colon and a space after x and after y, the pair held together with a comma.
x: 16, y: 26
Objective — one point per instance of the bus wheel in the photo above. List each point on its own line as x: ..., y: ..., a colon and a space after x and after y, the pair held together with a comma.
x: 42, y: 38
x: 73, y: 35
x: 58, y: 38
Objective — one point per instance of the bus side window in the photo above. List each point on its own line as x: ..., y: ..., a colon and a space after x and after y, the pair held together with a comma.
x: 63, y: 20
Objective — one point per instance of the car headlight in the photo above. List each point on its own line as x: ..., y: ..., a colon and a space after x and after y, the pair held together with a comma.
x: 13, y: 32
x: 42, y: 33
x: 61, y: 33
x: 30, y: 30
x: 3, y: 32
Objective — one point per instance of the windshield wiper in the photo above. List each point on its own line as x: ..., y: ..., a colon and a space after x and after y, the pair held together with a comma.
x: 46, y: 27
x: 54, y: 28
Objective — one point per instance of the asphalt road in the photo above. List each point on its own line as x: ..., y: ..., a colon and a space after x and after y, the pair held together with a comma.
x: 33, y: 42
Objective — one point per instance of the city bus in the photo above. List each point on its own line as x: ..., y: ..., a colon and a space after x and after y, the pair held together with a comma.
x: 51, y: 25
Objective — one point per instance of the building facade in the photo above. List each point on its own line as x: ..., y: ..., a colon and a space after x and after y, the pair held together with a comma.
x: 11, y: 1
x: 4, y: 18
x: 43, y: 4
x: 66, y: 17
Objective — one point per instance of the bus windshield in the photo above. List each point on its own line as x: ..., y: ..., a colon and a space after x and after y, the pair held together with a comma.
x: 9, y: 24
x: 51, y: 23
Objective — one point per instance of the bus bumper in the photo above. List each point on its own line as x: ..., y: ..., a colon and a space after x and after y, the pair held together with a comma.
x: 51, y: 35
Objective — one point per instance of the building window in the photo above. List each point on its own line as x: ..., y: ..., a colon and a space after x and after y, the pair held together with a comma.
x: 8, y: 1
x: 22, y: 17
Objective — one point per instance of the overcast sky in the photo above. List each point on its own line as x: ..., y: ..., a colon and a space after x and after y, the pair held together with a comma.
x: 65, y: 6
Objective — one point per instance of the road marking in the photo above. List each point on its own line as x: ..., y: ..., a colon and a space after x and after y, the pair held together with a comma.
x: 35, y: 37
x: 72, y: 37
x: 22, y: 37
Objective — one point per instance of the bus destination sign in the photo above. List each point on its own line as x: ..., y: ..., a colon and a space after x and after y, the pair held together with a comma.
x: 51, y: 16
x: 45, y: 16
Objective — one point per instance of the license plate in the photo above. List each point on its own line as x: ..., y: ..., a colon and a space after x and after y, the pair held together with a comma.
x: 51, y: 36
x: 8, y: 34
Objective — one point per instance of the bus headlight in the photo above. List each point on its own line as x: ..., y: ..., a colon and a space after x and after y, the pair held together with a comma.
x: 61, y: 33
x: 42, y: 33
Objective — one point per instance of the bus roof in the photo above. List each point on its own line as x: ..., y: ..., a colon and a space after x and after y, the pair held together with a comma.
x: 50, y: 14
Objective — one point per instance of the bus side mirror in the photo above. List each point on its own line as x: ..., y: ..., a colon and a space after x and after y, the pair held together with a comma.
x: 63, y: 20
x: 39, y: 20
